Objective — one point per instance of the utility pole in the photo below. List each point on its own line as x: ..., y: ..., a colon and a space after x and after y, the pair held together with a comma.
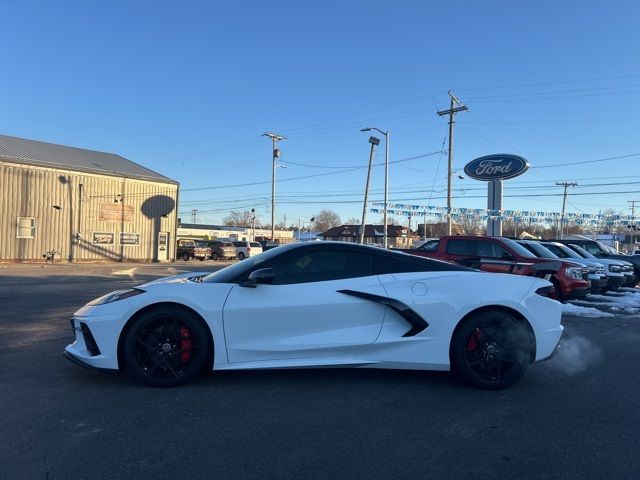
x: 253, y: 221
x: 275, y: 138
x: 194, y: 215
x: 424, y: 225
x: 566, y: 185
x: 451, y: 112
x: 374, y: 142
x: 633, y: 222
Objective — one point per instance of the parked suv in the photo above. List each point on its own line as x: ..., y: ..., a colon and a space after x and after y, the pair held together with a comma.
x: 201, y: 251
x: 220, y: 249
x: 185, y: 248
x: 600, y: 250
x: 247, y: 249
x: 620, y: 273
x: 597, y: 274
x: 503, y: 255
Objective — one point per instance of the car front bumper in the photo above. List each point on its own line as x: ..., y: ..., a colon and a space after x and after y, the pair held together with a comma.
x: 598, y: 284
x: 99, y: 330
x: 615, y: 282
x: 577, y: 293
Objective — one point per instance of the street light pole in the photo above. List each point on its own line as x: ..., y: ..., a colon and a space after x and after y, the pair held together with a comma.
x: 386, y: 179
x: 276, y: 154
x: 374, y: 142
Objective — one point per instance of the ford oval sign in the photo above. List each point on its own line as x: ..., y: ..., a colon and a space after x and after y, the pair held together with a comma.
x: 496, y: 167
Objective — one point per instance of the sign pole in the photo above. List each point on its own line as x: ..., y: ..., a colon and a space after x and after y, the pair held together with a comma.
x: 494, y: 202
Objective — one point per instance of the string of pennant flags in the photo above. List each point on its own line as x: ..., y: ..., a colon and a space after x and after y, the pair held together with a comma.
x: 536, y: 217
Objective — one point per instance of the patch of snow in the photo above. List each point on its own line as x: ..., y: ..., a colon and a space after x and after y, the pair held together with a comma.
x: 590, y: 303
x: 570, y: 309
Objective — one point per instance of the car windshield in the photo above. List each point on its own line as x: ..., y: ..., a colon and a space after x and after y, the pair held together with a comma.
x: 542, y: 251
x: 582, y: 252
x: 255, y: 245
x: 232, y: 271
x: 562, y: 251
x: 517, y: 248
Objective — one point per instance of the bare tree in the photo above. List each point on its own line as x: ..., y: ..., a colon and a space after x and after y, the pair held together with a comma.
x: 470, y: 224
x: 353, y: 221
x: 325, y: 220
x: 237, y: 218
x: 390, y: 221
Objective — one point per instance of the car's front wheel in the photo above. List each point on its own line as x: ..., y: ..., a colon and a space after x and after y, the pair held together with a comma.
x: 241, y: 256
x: 492, y: 349
x: 185, y: 256
x: 166, y: 346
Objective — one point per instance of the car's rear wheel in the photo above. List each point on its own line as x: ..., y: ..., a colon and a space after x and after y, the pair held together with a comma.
x: 185, y: 256
x: 214, y: 256
x: 492, y: 349
x: 166, y: 347
x: 241, y: 256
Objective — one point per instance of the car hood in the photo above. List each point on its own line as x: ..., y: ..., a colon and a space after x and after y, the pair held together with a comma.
x: 181, y: 278
x: 623, y: 258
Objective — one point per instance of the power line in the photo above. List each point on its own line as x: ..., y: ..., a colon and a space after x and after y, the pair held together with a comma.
x: 559, y: 122
x: 558, y: 82
x: 248, y: 184
x: 588, y: 161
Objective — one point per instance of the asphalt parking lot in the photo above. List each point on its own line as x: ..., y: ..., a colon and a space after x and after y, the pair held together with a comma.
x: 575, y: 416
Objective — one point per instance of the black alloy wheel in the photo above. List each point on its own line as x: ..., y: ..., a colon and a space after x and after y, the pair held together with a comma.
x: 492, y: 349
x: 166, y: 347
x: 241, y: 256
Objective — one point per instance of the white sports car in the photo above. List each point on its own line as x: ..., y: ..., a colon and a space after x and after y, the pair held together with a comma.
x: 328, y: 304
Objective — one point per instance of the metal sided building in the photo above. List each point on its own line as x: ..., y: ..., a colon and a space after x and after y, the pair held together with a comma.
x: 82, y: 206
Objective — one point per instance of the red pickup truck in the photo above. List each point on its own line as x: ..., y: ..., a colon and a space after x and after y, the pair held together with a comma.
x: 503, y: 255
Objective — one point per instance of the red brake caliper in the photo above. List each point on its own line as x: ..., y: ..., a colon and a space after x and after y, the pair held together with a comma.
x: 474, y: 340
x: 185, y: 344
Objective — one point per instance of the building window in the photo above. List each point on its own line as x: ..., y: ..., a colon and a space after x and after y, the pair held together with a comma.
x: 26, y: 227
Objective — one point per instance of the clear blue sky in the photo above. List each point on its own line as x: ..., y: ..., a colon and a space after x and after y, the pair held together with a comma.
x: 187, y: 88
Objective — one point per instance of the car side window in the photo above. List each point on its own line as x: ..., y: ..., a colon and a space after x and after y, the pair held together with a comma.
x: 321, y: 266
x: 592, y: 249
x: 430, y: 246
x: 491, y: 250
x: 460, y: 247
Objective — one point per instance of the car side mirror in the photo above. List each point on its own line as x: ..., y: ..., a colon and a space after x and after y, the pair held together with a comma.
x: 263, y: 275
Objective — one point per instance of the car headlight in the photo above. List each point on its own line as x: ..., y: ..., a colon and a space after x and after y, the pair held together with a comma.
x: 574, y: 272
x: 615, y: 268
x: 115, y: 296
